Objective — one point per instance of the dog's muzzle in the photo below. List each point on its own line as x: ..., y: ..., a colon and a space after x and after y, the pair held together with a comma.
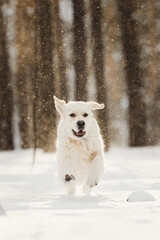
x: 79, y: 134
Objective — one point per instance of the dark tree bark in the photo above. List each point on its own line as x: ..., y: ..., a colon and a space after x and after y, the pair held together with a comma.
x: 44, y: 110
x: 113, y: 75
x: 6, y: 99
x: 58, y: 41
x: 157, y: 19
x: 98, y: 59
x: 79, y: 50
x: 134, y: 75
x: 25, y: 69
x: 153, y: 82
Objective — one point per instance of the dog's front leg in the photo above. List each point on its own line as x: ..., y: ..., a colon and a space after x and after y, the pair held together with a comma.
x: 69, y: 181
x: 71, y: 189
x: 66, y: 172
x: 96, y: 169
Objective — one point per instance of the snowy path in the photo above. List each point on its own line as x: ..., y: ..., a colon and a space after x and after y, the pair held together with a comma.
x: 37, y: 208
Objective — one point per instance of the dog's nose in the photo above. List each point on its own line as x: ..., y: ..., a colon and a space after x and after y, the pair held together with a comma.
x: 80, y: 124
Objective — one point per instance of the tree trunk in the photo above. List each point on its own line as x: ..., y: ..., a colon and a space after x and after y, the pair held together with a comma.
x: 25, y: 69
x: 153, y: 80
x: 79, y: 50
x: 114, y: 76
x: 44, y: 111
x: 134, y: 76
x: 59, y: 47
x: 6, y: 99
x: 98, y: 58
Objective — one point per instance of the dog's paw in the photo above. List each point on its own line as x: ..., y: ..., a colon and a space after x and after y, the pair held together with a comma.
x: 68, y: 178
x: 92, y: 182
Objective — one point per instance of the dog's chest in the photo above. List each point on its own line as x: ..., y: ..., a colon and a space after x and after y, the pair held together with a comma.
x: 83, y: 149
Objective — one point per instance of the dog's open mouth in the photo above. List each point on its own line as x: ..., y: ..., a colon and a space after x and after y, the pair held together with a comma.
x: 81, y: 133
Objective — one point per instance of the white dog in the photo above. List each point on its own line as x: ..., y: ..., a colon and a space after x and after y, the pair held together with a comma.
x: 79, y: 145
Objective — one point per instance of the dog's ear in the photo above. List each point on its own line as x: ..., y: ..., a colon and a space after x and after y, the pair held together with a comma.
x: 59, y: 104
x: 95, y: 105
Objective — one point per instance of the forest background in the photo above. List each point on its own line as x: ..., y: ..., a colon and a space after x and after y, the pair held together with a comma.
x: 102, y: 50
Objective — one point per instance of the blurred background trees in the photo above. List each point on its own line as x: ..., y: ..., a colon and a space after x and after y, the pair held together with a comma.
x: 98, y: 60
x: 102, y: 50
x: 24, y: 41
x: 134, y: 73
x: 6, y: 97
x: 44, y: 111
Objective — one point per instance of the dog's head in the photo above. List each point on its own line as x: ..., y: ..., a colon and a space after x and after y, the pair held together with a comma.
x: 76, y: 116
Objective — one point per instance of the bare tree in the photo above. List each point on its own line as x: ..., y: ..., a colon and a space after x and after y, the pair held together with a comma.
x: 59, y: 49
x: 44, y: 111
x: 98, y: 58
x: 6, y: 100
x: 79, y: 50
x: 134, y: 75
x: 151, y: 68
x: 114, y: 76
x: 25, y: 68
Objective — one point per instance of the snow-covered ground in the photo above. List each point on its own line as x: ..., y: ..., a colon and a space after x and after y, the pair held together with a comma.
x: 37, y: 208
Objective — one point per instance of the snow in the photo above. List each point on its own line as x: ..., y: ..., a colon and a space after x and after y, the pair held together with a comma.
x: 37, y: 207
x: 140, y: 196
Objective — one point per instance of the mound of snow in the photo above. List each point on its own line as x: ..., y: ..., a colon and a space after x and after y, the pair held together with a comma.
x: 140, y: 196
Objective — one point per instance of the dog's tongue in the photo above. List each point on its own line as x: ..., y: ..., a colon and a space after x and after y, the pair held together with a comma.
x: 80, y: 132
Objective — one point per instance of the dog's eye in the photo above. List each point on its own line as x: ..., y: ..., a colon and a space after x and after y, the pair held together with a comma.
x: 72, y: 115
x: 85, y: 115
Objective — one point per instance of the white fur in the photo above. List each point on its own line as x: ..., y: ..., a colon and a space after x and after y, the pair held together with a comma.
x: 79, y: 157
